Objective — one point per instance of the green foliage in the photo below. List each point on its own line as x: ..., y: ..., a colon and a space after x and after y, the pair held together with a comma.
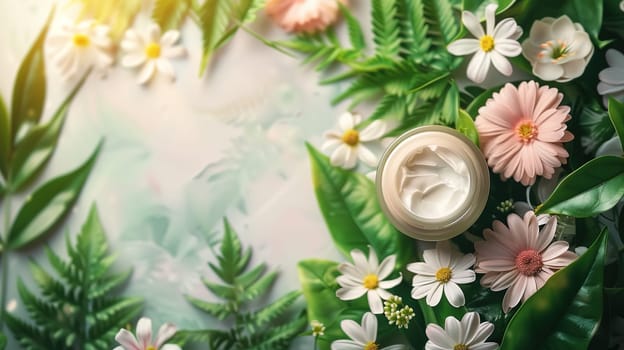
x: 170, y: 14
x: 240, y: 284
x: 409, y: 70
x: 566, y: 311
x: 466, y: 126
x: 349, y: 205
x: 79, y: 309
x: 118, y: 14
x: 616, y: 114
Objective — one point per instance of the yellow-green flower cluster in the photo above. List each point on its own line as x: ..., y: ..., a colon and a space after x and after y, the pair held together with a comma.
x: 396, y: 314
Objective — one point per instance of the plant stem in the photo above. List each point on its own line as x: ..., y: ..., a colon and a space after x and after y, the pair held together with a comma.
x: 4, y: 260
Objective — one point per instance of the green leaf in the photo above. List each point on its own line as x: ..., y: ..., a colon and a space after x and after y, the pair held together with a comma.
x: 478, y: 6
x: 480, y: 100
x: 444, y: 26
x: 214, y: 17
x: 3, y: 341
x: 566, y: 311
x: 169, y: 14
x: 355, y: 30
x: 230, y: 253
x: 117, y: 14
x: 29, y: 90
x: 245, y: 10
x: 220, y: 311
x: 616, y: 114
x: 48, y: 204
x: 349, y: 205
x: 5, y: 138
x: 385, y: 28
x: 591, y: 189
x: 272, y: 311
x: 36, y: 148
x: 466, y: 126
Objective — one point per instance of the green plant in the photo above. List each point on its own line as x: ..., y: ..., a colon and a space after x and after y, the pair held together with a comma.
x: 240, y: 285
x: 79, y: 309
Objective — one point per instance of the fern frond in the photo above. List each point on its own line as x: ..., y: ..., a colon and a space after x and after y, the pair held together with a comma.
x: 279, y: 337
x: 79, y: 310
x: 385, y: 28
x: 259, y: 287
x: 355, y: 30
x: 220, y: 311
x: 272, y: 311
x: 414, y: 30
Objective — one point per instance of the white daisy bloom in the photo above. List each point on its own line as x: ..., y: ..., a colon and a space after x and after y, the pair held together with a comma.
x: 143, y: 339
x: 491, y: 46
x: 612, y: 78
x: 442, y: 270
x: 363, y: 337
x: 366, y: 276
x: 152, y: 52
x: 349, y: 144
x: 467, y: 334
x: 558, y: 49
x: 622, y: 5
x: 78, y: 47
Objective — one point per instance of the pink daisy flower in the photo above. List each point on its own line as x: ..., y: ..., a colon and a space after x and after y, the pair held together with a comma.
x: 518, y: 258
x: 522, y: 130
x: 307, y: 16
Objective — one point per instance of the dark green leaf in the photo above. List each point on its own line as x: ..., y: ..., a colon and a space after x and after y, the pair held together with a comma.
x: 616, y: 114
x: 30, y: 84
x: 355, y: 30
x: 591, y: 189
x: 3, y: 341
x: 272, y: 311
x: 230, y: 253
x: 466, y: 126
x: 220, y: 311
x: 215, y: 17
x: 349, y: 205
x: 479, y: 101
x: 5, y: 138
x: 566, y: 311
x: 48, y: 204
x: 169, y: 14
x: 35, y: 149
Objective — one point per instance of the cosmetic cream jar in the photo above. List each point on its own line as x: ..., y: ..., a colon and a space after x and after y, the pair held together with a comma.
x: 432, y: 183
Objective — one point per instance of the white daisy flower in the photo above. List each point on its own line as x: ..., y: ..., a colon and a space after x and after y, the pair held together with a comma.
x: 467, y: 334
x: 152, y: 52
x: 612, y: 78
x: 143, y: 340
x: 558, y: 49
x: 349, y: 144
x: 78, y: 47
x: 363, y: 337
x: 493, y: 46
x: 367, y: 277
x: 622, y: 5
x: 442, y: 270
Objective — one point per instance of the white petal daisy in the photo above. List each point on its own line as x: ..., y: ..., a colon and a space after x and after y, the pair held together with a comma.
x: 363, y: 337
x: 366, y: 276
x: 442, y: 270
x: 348, y: 144
x: 151, y: 51
x: 491, y: 46
x: 467, y: 334
x: 143, y: 339
x: 612, y: 78
x: 78, y: 47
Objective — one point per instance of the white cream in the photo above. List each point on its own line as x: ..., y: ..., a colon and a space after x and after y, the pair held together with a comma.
x: 433, y: 182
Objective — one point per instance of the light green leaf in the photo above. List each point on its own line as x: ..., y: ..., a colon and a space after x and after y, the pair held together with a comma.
x: 591, y: 189
x: 231, y: 251
x: 5, y: 138
x: 566, y: 311
x: 349, y: 205
x: 245, y: 10
x: 48, y: 204
x: 355, y: 30
x: 215, y: 17
x: 466, y: 126
x: 36, y: 148
x: 169, y: 14
x: 29, y: 90
x: 117, y: 14
x: 3, y: 341
x: 616, y: 114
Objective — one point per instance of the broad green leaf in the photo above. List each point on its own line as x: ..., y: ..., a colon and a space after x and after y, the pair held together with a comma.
x: 215, y: 17
x: 29, y: 90
x: 245, y: 10
x: 5, y: 138
x: 591, y: 189
x: 48, y: 204
x: 466, y: 126
x: 348, y: 201
x: 117, y: 14
x: 169, y: 14
x: 35, y: 149
x: 616, y: 114
x: 478, y: 6
x: 480, y: 100
x: 355, y: 30
x: 566, y: 311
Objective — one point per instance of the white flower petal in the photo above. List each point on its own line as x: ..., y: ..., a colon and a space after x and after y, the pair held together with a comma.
x: 351, y: 158
x: 454, y: 294
x: 369, y: 326
x: 133, y: 60
x: 165, y: 332
x: 373, y: 131
x: 345, y: 345
x: 375, y: 303
x: 339, y: 156
x: 170, y: 38
x: 165, y: 68
x: 154, y: 33
x: 506, y: 28
x: 386, y: 266
x: 354, y: 331
x: 438, y: 336
x: 331, y: 144
x: 346, y: 121
x: 173, y: 52
x: 548, y: 72
x: 351, y: 293
x: 144, y: 332
x: 508, y: 47
x: 478, y: 67
x: 435, y: 295
x: 454, y: 329
x: 463, y: 47
x: 146, y: 72
x: 391, y: 283
x: 471, y: 22
x: 490, y: 13
x: 127, y: 340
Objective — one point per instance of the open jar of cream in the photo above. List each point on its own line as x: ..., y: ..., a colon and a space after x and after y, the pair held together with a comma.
x: 432, y: 183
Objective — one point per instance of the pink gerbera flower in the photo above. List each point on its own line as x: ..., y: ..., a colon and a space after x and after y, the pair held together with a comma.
x: 307, y: 16
x: 522, y: 130
x: 518, y: 258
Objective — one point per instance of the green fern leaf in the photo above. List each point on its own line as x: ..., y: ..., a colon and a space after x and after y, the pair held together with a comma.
x: 386, y: 28
x: 414, y: 30
x: 220, y: 311
x: 245, y: 280
x: 259, y: 287
x: 79, y: 311
x: 272, y: 311
x: 169, y: 14
x: 443, y: 28
x: 279, y: 337
x: 215, y: 18
x: 355, y: 30
x: 231, y: 251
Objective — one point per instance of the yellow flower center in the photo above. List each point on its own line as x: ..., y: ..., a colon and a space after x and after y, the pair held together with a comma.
x: 526, y: 130
x: 487, y: 43
x: 81, y: 40
x: 152, y: 50
x: 351, y: 137
x: 460, y: 347
x: 370, y: 281
x: 444, y: 274
x: 151, y: 347
x: 371, y: 345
